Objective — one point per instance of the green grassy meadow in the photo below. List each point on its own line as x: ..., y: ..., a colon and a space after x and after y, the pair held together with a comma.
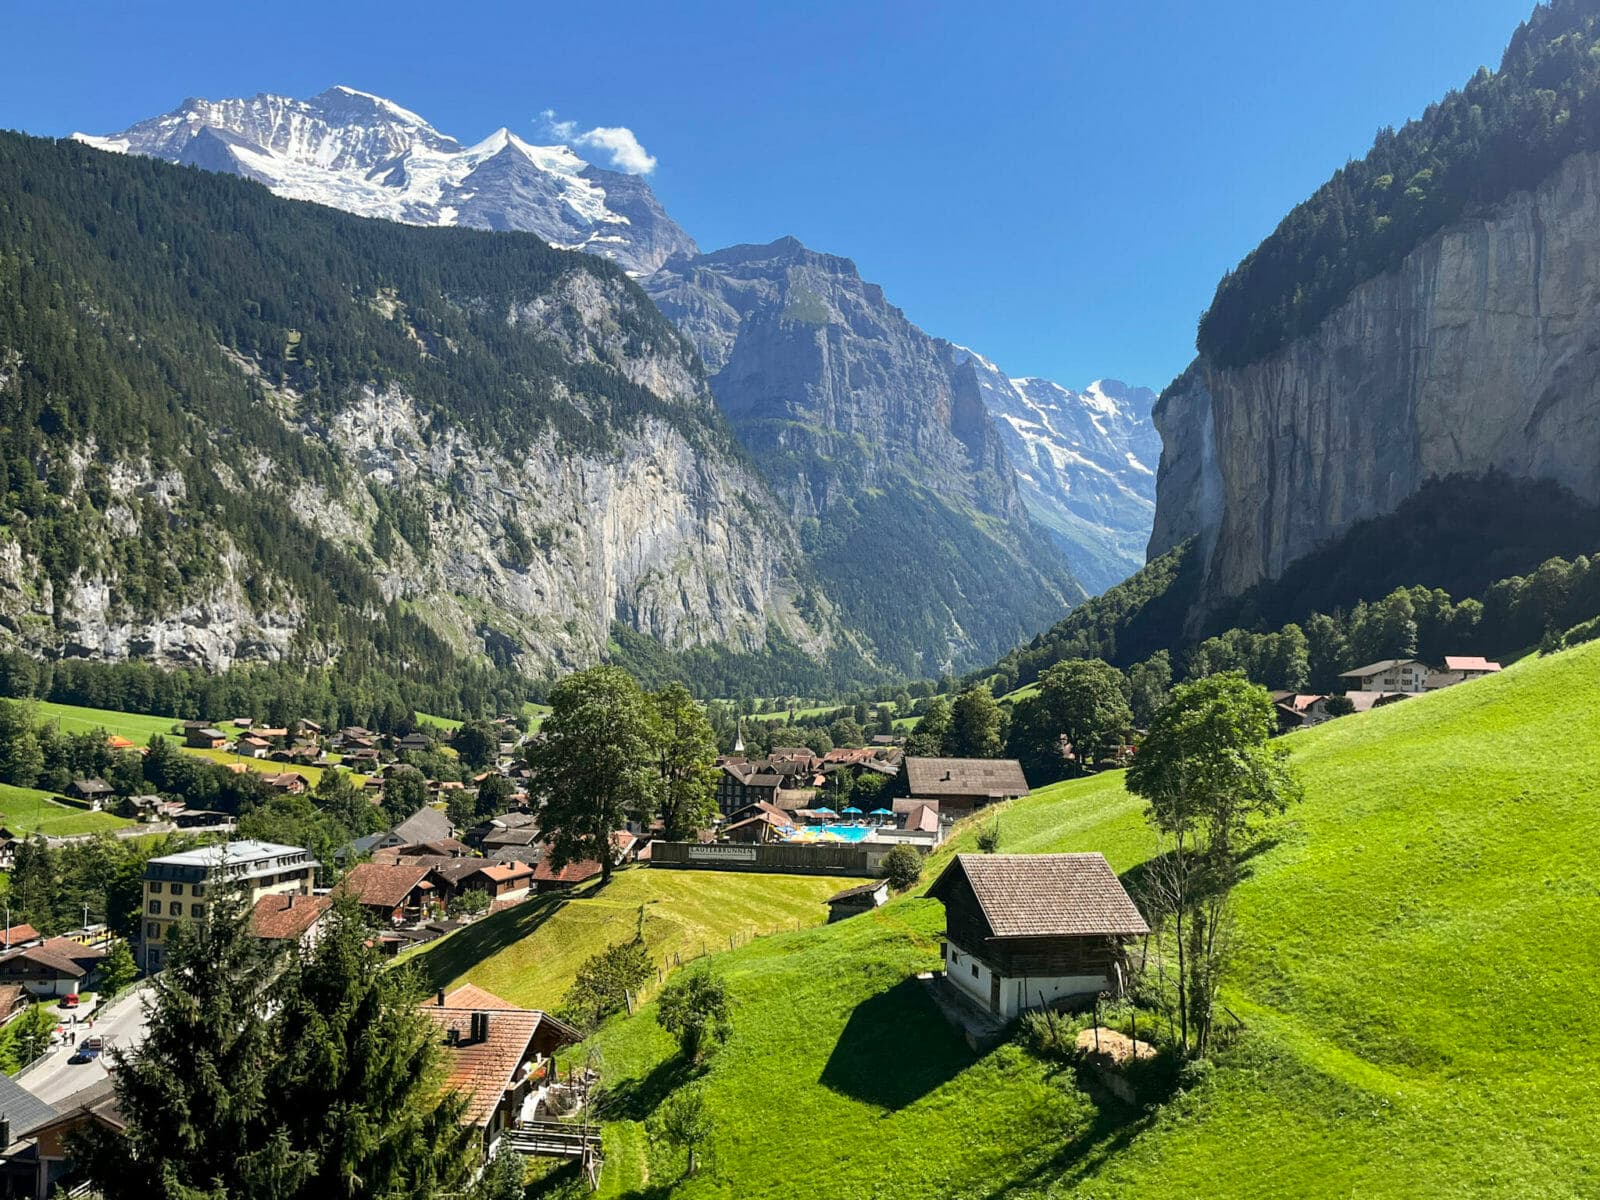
x: 75, y: 719
x: 530, y: 953
x: 1416, y: 970
x: 438, y: 722
x: 28, y: 810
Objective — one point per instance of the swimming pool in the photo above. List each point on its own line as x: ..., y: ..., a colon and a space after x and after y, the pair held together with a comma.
x: 832, y: 833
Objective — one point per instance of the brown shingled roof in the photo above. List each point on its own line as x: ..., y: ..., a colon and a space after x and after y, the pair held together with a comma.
x: 378, y: 884
x: 996, y: 778
x: 285, y: 918
x: 573, y: 872
x: 1047, y: 895
x: 482, y: 1070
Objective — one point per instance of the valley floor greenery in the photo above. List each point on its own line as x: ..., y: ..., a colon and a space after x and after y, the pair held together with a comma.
x: 1414, y: 973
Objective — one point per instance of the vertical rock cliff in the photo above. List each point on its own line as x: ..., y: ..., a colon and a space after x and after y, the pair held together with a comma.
x: 1480, y: 352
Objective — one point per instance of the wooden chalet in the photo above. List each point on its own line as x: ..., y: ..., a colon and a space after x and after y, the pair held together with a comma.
x: 963, y: 784
x: 1028, y: 930
x: 862, y: 898
x: 498, y: 1056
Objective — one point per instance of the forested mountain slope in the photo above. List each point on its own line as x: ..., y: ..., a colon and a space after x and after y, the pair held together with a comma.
x: 238, y: 428
x: 1431, y: 311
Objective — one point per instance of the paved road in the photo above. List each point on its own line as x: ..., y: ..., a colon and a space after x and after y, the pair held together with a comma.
x: 53, y: 1078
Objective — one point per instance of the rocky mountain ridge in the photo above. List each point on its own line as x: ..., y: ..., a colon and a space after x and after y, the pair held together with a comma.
x: 359, y: 152
x: 878, y: 440
x: 353, y: 437
x: 1085, y: 462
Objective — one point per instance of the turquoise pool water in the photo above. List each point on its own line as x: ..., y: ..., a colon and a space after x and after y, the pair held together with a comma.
x: 832, y: 833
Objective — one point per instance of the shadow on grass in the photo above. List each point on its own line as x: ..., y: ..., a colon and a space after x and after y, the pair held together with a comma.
x: 635, y: 1099
x: 469, y: 946
x: 1137, y: 878
x: 1117, y: 1122
x: 895, y: 1049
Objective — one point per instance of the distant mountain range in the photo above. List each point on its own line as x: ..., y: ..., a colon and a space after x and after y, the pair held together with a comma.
x: 1085, y: 461
x: 367, y: 155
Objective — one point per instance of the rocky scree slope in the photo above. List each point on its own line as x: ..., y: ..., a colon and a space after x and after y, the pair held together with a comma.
x: 237, y: 428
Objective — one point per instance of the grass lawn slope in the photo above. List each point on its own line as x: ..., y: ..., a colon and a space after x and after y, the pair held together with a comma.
x: 28, y: 810
x: 1419, y: 951
x: 530, y: 953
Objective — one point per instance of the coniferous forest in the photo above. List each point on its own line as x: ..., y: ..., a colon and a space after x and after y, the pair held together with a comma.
x: 1501, y: 133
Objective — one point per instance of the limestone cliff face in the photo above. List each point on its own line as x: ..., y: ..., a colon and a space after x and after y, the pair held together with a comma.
x: 1481, y: 351
x: 529, y: 554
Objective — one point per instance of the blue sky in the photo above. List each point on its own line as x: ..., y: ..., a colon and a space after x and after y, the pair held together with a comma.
x: 1058, y: 185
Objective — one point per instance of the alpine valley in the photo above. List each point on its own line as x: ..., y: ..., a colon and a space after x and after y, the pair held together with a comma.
x: 872, y: 460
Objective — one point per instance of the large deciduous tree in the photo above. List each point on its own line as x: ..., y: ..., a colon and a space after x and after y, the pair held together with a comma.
x: 685, y: 760
x: 1209, y: 772
x: 594, y: 765
x: 1080, y: 700
x: 977, y: 726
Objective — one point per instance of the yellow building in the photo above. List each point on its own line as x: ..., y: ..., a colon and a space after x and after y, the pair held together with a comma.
x: 180, y: 886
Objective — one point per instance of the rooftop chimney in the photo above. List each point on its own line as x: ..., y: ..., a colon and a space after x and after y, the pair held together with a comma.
x: 439, y: 997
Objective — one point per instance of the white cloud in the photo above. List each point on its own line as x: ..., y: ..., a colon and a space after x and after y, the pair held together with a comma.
x: 618, y: 141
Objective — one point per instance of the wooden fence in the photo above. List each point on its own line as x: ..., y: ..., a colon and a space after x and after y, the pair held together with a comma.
x: 808, y: 858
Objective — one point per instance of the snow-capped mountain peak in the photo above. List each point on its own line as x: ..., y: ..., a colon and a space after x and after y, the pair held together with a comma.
x: 365, y: 154
x: 1086, y: 461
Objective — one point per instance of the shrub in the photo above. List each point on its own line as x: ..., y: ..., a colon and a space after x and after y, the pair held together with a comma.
x: 902, y: 867
x: 989, y: 838
x: 603, y: 983
x: 695, y: 1011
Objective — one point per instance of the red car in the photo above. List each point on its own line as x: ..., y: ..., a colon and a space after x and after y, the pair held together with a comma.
x: 70, y: 1000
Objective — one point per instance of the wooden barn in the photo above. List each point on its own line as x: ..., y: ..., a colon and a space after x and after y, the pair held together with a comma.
x: 1028, y: 930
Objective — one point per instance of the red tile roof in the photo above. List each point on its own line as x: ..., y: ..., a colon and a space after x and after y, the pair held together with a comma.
x: 1046, y: 895
x: 24, y: 933
x: 286, y: 918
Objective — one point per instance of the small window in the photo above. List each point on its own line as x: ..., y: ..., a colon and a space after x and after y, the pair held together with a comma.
x: 177, y: 889
x: 197, y: 910
x: 152, y: 931
x: 155, y: 908
x: 974, y: 970
x: 198, y: 889
x: 155, y: 889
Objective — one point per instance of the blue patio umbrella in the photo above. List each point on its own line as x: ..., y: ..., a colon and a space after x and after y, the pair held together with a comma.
x: 853, y: 811
x: 881, y: 812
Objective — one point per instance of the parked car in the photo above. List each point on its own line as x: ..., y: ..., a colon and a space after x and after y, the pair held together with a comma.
x: 84, y: 1054
x: 70, y: 1000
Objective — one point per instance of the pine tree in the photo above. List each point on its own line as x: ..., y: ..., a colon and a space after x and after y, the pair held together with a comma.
x: 194, y: 1093
x: 358, y: 1082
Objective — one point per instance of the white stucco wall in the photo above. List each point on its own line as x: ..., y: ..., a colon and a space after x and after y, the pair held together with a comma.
x: 973, y: 977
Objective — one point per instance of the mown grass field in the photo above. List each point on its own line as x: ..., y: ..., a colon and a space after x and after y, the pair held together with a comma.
x: 437, y: 722
x: 28, y: 810
x: 530, y: 954
x: 1417, y: 964
x: 136, y: 727
x: 265, y: 766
